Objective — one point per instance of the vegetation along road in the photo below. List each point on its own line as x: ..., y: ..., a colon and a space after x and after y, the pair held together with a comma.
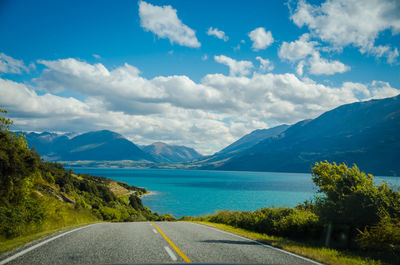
x: 147, y: 242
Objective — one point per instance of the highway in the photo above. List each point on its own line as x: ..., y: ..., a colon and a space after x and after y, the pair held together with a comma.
x: 147, y: 242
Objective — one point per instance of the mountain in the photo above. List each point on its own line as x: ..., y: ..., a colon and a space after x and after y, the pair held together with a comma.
x: 253, y: 138
x: 171, y: 153
x: 365, y: 133
x: 98, y: 145
x: 247, y: 141
x: 46, y: 143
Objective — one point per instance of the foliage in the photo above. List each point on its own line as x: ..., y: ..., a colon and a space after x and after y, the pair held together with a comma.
x: 37, y: 195
x: 384, y: 235
x: 351, y: 197
x: 139, y: 191
x: 347, y: 197
x: 273, y: 221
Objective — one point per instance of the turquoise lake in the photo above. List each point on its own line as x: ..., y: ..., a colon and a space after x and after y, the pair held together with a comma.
x: 199, y: 192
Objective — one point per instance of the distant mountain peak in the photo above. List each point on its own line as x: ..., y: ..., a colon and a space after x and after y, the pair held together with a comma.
x: 163, y: 152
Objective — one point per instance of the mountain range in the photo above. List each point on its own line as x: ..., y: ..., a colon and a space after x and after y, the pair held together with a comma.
x: 104, y: 146
x: 163, y: 152
x: 365, y: 133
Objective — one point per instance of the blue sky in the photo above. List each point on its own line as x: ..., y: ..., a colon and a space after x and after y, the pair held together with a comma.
x: 198, y: 73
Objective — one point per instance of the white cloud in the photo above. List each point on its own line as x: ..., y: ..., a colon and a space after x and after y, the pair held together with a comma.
x: 300, y: 68
x: 265, y: 64
x: 347, y: 22
x: 16, y: 97
x: 204, y: 57
x: 124, y: 89
x: 164, y: 22
x: 235, y: 67
x: 96, y: 56
x: 298, y: 49
x: 206, y: 115
x: 11, y: 65
x: 217, y: 33
x: 320, y: 66
x: 305, y: 50
x: 261, y: 38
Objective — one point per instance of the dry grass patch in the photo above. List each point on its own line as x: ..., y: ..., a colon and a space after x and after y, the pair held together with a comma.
x: 117, y: 189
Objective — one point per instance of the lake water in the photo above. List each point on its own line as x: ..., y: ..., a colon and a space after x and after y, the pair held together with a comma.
x: 199, y: 192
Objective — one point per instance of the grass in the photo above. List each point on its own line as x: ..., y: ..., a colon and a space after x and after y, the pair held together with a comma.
x: 305, y: 249
x: 118, y: 190
x: 60, y: 216
x: 10, y: 244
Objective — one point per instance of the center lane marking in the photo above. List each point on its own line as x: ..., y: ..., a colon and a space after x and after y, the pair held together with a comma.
x: 183, y: 256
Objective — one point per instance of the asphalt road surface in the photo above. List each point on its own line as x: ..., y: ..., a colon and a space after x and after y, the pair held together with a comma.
x: 149, y: 243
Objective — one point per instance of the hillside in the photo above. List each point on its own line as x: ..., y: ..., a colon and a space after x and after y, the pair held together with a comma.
x: 162, y: 152
x: 253, y: 138
x: 39, y: 196
x: 237, y: 147
x: 365, y: 133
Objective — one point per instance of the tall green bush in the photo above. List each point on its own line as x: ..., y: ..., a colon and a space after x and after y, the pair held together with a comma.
x: 349, y: 196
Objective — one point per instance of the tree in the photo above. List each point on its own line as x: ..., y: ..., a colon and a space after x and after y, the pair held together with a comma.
x: 350, y: 196
x: 18, y: 164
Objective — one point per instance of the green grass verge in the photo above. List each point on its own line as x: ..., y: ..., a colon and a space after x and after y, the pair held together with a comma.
x: 10, y: 244
x: 60, y: 216
x: 317, y: 253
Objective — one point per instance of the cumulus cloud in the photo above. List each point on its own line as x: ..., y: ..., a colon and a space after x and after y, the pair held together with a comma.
x: 18, y: 98
x: 298, y: 49
x: 164, y: 22
x: 300, y: 68
x: 310, y: 58
x: 265, y: 64
x: 286, y: 98
x: 217, y: 33
x: 123, y: 88
x: 206, y: 115
x: 11, y: 65
x: 320, y: 66
x: 347, y: 22
x: 261, y: 38
x: 235, y: 67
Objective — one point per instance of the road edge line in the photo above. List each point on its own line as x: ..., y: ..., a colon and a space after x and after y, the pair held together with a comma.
x: 23, y: 252
x: 183, y: 256
x: 259, y: 243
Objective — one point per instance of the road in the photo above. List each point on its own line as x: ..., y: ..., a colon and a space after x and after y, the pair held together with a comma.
x: 146, y: 242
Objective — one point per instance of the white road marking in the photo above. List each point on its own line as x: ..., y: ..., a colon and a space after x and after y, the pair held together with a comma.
x: 155, y: 231
x: 170, y: 253
x: 19, y: 254
x: 259, y: 243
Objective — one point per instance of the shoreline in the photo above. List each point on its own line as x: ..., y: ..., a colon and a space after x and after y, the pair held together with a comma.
x: 148, y: 193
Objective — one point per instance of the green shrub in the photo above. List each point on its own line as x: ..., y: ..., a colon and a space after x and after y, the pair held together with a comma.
x: 350, y: 196
x: 274, y: 221
x: 384, y: 235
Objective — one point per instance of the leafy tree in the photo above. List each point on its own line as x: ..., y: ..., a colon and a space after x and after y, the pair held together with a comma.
x: 18, y: 164
x: 350, y: 196
x: 135, y: 202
